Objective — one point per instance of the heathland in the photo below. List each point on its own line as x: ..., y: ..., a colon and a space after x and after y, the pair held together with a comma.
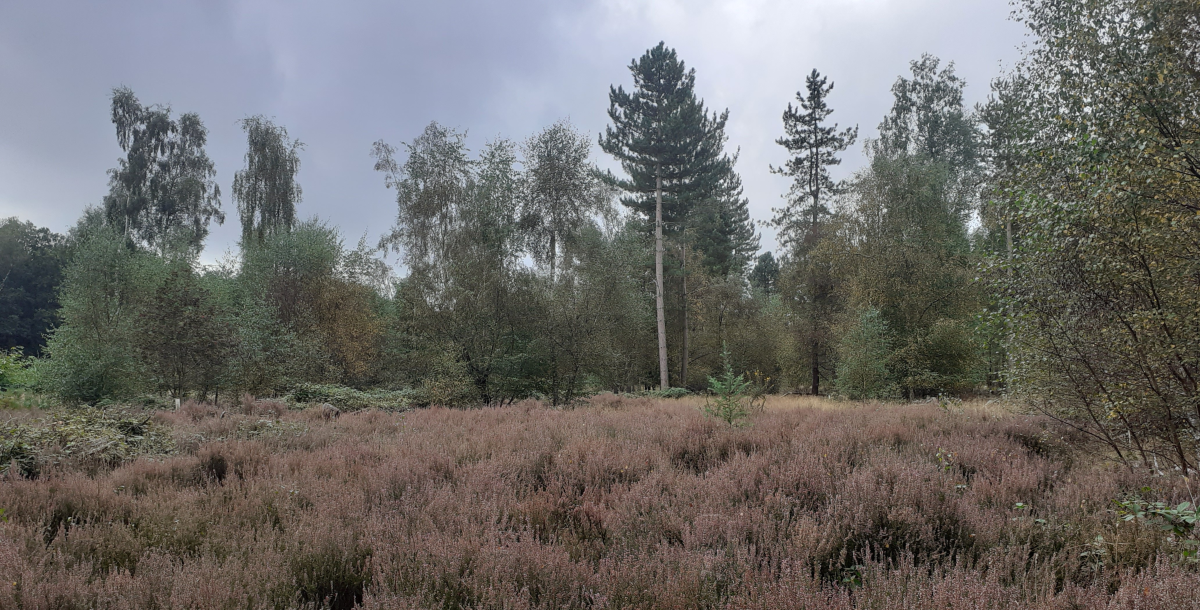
x: 619, y: 502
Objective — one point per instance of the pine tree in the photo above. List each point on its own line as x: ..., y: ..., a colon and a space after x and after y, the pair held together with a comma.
x: 765, y: 275
x: 814, y: 147
x: 721, y: 229
x: 671, y: 149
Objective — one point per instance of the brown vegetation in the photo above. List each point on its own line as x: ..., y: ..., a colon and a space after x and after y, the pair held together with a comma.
x: 624, y: 503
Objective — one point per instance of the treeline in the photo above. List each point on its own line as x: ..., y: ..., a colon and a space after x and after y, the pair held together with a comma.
x: 1043, y: 242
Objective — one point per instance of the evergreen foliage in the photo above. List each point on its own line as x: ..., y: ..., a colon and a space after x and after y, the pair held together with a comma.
x: 814, y: 147
x: 729, y: 395
x: 765, y: 274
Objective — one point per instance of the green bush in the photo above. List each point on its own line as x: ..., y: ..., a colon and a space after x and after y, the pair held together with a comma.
x: 862, y: 371
x: 942, y: 360
x: 666, y: 393
x: 350, y: 399
x: 92, y: 354
x: 15, y: 370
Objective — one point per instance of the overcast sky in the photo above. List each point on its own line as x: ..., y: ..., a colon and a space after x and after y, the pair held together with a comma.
x: 341, y: 75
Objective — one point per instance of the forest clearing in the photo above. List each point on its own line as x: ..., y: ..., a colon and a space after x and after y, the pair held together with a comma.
x: 573, y: 365
x: 618, y: 503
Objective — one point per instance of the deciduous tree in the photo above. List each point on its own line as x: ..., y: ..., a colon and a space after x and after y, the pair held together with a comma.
x: 266, y: 191
x: 164, y: 193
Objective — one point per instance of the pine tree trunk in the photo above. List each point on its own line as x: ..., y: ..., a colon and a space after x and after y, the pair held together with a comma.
x: 683, y: 364
x: 816, y: 367
x: 658, y: 283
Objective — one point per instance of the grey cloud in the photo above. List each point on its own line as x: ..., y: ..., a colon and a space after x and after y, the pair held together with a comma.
x: 342, y: 75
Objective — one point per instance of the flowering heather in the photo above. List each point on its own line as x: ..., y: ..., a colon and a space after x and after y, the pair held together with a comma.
x: 624, y: 503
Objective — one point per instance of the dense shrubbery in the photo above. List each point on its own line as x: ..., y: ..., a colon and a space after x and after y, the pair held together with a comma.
x: 629, y: 502
x: 89, y: 439
x: 350, y: 399
x: 1103, y: 278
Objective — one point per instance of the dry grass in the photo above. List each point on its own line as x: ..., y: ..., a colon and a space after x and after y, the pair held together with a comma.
x: 625, y: 503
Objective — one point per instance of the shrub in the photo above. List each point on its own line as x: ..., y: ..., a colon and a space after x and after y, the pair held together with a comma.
x: 666, y: 393
x: 91, y: 438
x: 15, y: 370
x: 863, y: 351
x: 655, y: 506
x: 350, y: 399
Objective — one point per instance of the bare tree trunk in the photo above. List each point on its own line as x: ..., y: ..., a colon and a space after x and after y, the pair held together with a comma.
x: 683, y: 364
x: 658, y: 282
x: 553, y: 256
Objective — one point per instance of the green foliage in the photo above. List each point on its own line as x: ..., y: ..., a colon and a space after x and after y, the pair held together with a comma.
x: 31, y: 264
x: 814, y: 147
x: 15, y: 370
x: 666, y: 393
x: 467, y: 292
x: 561, y: 192
x: 298, y: 297
x: 729, y: 395
x: 350, y: 399
x: 662, y: 131
x: 92, y: 437
x: 942, y: 360
x: 164, y: 193
x: 1101, y: 284
x: 863, y: 352
x: 1180, y: 520
x: 803, y: 222
x: 183, y: 340
x: 595, y: 319
x: 92, y: 354
x: 264, y: 351
x: 764, y: 277
x: 900, y: 246
x: 928, y: 119
x: 265, y: 190
x: 720, y: 227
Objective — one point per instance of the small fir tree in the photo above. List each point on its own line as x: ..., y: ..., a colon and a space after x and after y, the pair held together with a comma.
x: 729, y: 395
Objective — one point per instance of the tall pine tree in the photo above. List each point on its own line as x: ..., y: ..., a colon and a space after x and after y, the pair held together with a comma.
x: 814, y: 147
x: 671, y: 149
